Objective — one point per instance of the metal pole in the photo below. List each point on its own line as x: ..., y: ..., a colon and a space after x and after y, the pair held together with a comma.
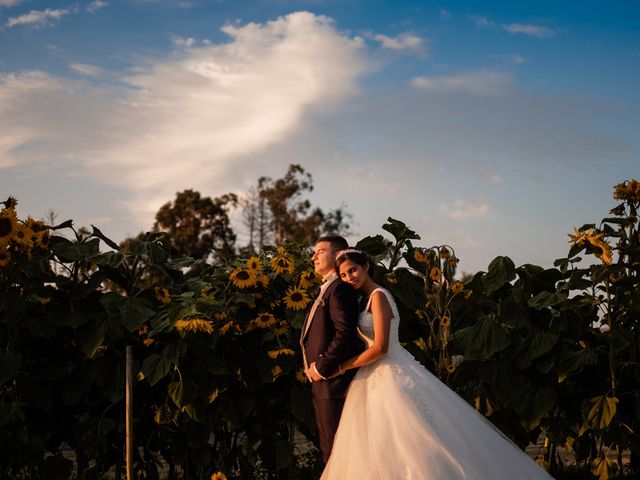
x: 129, y: 411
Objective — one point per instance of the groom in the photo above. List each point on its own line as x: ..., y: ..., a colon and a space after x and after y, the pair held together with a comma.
x: 329, y: 338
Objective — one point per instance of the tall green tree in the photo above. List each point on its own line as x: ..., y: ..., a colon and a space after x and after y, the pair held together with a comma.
x: 197, y: 225
x: 277, y: 211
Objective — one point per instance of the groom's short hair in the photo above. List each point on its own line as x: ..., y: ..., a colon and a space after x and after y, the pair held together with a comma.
x: 337, y: 242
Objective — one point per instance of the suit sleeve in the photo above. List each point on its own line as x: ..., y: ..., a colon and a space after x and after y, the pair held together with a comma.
x: 343, y: 310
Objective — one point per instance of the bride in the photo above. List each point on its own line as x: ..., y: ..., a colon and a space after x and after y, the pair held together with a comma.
x: 399, y: 421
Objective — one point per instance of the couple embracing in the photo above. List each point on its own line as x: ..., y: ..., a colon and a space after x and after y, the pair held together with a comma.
x: 380, y: 414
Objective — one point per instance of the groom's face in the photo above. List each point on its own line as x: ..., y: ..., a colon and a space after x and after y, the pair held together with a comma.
x: 324, y: 258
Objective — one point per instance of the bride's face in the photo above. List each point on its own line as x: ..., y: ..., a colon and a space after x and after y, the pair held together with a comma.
x: 353, y: 274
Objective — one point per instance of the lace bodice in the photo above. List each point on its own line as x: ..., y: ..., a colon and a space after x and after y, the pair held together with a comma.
x: 365, y: 322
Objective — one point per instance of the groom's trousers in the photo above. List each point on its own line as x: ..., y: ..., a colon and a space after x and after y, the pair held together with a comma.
x: 328, y: 411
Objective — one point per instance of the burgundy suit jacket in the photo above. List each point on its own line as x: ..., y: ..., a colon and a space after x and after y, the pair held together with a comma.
x: 331, y: 338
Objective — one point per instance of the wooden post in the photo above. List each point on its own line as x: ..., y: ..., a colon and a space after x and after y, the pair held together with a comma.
x: 129, y: 411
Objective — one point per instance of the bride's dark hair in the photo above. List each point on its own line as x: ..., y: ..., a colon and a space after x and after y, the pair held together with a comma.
x: 356, y: 256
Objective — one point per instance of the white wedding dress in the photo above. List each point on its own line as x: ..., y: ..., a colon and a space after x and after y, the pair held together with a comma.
x: 400, y: 422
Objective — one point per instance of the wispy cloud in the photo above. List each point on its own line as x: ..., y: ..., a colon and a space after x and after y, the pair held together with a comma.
x: 183, y: 42
x: 38, y: 18
x: 511, y: 57
x: 10, y: 3
x: 482, y: 82
x: 530, y: 30
x: 537, y: 31
x: 463, y: 210
x: 85, y: 69
x: 482, y: 22
x: 182, y: 121
x: 404, y: 42
x: 444, y: 14
x: 96, y: 5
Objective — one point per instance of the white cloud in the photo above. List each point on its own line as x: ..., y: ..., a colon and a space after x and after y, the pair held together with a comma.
x: 482, y: 22
x: 515, y: 28
x: 531, y: 30
x: 184, y: 121
x: 183, y: 42
x: 405, y: 41
x: 463, y: 210
x: 444, y: 14
x: 38, y: 18
x: 482, y: 82
x: 96, y: 5
x: 10, y: 3
x: 86, y: 69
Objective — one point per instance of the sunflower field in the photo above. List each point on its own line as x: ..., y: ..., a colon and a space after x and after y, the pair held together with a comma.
x: 219, y: 393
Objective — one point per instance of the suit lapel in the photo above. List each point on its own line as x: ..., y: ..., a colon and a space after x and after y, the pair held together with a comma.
x: 319, y: 301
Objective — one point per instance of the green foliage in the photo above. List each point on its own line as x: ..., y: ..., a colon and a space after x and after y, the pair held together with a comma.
x: 219, y: 385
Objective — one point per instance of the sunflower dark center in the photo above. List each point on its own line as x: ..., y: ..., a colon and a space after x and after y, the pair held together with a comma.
x: 243, y: 275
x: 296, y: 297
x: 5, y: 227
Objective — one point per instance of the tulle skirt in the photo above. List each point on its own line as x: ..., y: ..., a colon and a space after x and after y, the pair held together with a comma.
x: 400, y: 422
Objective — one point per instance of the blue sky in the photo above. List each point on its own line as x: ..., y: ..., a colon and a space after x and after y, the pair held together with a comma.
x: 494, y: 127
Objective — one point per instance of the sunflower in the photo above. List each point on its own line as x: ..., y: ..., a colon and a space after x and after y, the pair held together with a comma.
x: 301, y: 377
x: 578, y: 237
x: 243, y: 277
x: 419, y: 256
x: 282, y: 263
x: 224, y: 329
x: 601, y: 249
x: 213, y: 395
x: 282, y: 328
x: 262, y: 280
x: 163, y: 295
x: 8, y: 224
x: 445, y: 321
x: 218, y: 476
x: 41, y: 234
x: 309, y: 278
x: 593, y: 242
x: 451, y: 368
x: 264, y: 320
x: 436, y: 274
x: 5, y: 257
x: 194, y: 324
x: 457, y: 287
x: 42, y: 239
x: 628, y: 191
x: 254, y: 263
x: 420, y: 343
x: 23, y: 236
x: 391, y: 279
x: 273, y: 354
x: 296, y: 298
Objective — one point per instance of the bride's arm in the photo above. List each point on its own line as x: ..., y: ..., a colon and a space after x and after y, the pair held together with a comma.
x: 381, y: 312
